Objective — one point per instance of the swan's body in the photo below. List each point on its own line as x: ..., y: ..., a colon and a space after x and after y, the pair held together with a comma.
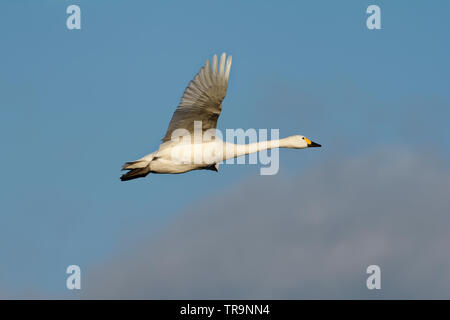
x: 181, y: 150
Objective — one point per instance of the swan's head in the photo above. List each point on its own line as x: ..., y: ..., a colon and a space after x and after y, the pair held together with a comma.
x: 300, y: 142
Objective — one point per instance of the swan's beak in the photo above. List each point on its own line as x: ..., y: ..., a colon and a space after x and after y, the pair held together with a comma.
x: 312, y: 144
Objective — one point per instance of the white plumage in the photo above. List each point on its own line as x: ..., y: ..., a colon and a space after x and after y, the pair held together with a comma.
x: 180, y: 150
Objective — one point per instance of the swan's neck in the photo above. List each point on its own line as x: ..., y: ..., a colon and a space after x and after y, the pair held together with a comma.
x: 237, y: 150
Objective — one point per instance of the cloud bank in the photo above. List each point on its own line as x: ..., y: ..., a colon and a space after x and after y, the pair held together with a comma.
x: 305, y: 237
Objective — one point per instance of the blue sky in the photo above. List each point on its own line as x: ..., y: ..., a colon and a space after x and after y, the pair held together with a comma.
x: 76, y: 104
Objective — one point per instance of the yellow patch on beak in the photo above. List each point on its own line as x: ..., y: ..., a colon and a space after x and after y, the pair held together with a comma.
x: 307, y: 141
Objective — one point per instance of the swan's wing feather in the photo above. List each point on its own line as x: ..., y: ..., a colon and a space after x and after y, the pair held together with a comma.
x: 202, y: 99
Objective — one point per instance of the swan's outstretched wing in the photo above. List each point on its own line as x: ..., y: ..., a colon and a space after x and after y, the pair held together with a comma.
x: 202, y: 99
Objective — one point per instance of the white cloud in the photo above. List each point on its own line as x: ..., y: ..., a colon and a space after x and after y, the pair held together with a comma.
x: 309, y: 236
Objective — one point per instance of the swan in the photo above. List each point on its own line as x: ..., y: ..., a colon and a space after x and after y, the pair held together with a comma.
x: 181, y: 150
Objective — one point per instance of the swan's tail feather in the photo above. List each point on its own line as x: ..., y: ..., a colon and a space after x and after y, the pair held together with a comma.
x: 138, y: 169
x: 138, y: 164
x: 135, y: 173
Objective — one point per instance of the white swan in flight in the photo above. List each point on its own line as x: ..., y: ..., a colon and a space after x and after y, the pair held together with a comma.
x: 201, y: 103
